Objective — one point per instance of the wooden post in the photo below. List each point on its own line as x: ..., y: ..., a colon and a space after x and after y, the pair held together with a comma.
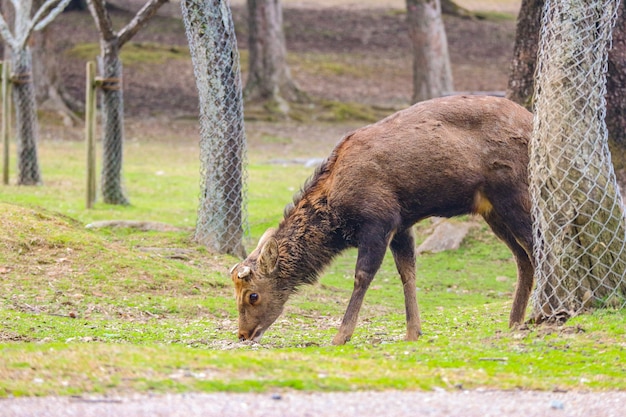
x: 90, y: 127
x: 6, y: 121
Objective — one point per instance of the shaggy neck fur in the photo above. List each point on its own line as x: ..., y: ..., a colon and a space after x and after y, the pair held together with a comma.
x: 309, y: 236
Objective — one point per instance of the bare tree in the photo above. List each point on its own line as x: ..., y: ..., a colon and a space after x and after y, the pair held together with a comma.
x: 22, y: 79
x: 110, y: 69
x: 432, y: 73
x: 269, y: 78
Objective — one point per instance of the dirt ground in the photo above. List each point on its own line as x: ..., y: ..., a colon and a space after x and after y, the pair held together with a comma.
x: 371, y: 42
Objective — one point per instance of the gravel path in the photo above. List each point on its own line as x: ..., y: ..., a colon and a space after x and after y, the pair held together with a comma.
x: 361, y: 404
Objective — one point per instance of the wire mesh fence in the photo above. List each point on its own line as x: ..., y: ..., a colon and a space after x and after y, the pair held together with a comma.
x: 112, y: 99
x: 579, y: 225
x: 27, y: 125
x: 221, y: 214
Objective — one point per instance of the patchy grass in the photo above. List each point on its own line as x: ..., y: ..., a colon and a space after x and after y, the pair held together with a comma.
x: 108, y: 310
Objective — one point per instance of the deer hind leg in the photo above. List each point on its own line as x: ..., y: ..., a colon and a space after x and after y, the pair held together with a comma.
x: 403, y: 249
x: 515, y: 229
x: 371, y: 251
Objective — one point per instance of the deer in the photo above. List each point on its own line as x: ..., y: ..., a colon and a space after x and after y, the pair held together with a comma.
x: 442, y: 157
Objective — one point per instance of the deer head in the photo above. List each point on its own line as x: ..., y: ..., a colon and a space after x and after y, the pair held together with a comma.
x: 260, y: 300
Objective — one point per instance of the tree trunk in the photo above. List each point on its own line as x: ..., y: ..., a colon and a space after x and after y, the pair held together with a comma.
x: 522, y: 76
x: 26, y: 117
x: 616, y: 92
x: 269, y: 78
x: 522, y: 73
x: 211, y: 35
x: 110, y: 69
x: 579, y: 223
x: 432, y: 74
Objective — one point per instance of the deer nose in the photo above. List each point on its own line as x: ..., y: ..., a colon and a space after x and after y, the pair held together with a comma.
x: 243, y: 336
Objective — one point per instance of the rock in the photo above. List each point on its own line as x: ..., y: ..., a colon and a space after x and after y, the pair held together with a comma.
x: 143, y: 226
x: 446, y: 236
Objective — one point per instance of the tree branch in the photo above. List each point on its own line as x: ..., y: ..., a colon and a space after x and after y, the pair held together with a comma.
x: 103, y: 20
x: 140, y: 20
x: 47, y: 12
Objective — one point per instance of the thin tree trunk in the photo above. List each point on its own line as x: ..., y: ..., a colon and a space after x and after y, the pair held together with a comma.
x: 113, y: 125
x: 110, y: 69
x: 17, y: 38
x: 432, y: 74
x: 26, y: 118
x: 522, y: 74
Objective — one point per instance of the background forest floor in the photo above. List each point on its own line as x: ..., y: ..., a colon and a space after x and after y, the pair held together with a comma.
x: 350, y: 54
x: 354, y: 62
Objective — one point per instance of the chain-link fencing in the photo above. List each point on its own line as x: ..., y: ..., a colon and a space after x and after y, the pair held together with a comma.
x: 579, y: 225
x: 210, y: 31
x: 27, y: 125
x: 112, y: 104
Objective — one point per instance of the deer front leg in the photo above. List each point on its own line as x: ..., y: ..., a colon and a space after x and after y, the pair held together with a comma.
x: 403, y: 249
x: 370, y: 256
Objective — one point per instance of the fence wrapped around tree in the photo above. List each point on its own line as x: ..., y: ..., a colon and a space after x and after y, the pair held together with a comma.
x: 579, y: 224
x: 221, y: 213
x: 113, y: 128
x: 25, y: 118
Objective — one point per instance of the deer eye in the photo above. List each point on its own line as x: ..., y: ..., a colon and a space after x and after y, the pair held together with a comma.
x: 254, y: 297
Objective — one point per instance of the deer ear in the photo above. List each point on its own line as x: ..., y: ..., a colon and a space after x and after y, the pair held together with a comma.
x: 268, y: 259
x: 268, y: 234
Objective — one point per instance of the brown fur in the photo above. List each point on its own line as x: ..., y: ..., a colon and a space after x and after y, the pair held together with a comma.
x: 442, y: 157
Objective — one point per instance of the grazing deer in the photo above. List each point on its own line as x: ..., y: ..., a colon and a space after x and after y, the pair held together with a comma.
x: 443, y: 157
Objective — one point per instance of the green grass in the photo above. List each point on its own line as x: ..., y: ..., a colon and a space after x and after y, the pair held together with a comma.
x: 99, y: 310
